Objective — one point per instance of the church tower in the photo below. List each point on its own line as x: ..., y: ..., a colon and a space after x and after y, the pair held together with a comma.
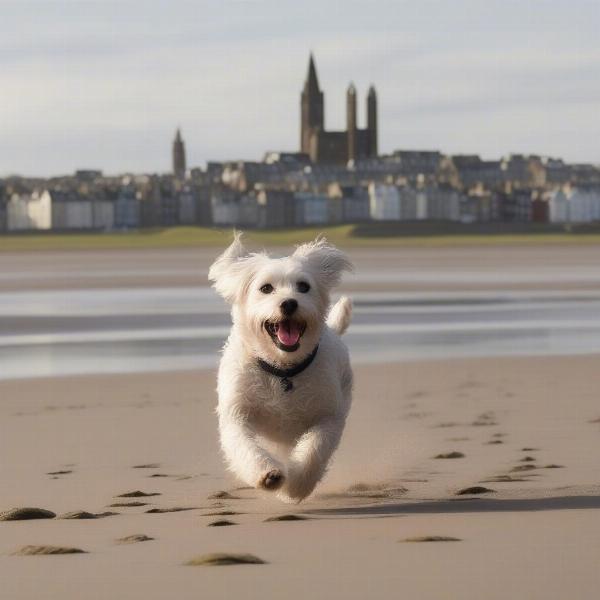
x: 311, y: 106
x: 178, y: 156
x: 351, y: 126
x: 372, y: 121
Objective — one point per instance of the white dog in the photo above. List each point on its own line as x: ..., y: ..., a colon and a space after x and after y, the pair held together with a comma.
x: 285, y: 381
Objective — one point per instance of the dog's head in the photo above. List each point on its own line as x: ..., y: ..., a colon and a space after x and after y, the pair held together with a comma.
x: 279, y: 304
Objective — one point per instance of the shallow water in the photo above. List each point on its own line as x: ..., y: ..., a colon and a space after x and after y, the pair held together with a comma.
x: 53, y: 333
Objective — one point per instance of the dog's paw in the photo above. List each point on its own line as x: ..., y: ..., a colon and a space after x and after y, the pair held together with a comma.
x: 272, y: 480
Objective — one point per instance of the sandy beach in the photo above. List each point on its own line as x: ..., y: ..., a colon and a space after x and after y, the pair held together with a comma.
x: 526, y: 428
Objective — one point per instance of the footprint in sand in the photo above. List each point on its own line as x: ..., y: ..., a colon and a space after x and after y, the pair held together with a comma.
x: 47, y: 550
x: 223, y: 495
x: 474, y: 490
x: 133, y: 539
x: 138, y: 494
x: 432, y: 538
x: 447, y: 455
x: 26, y: 514
x: 171, y: 510
x: 221, y: 523
x: 83, y: 514
x: 222, y: 513
x: 218, y: 559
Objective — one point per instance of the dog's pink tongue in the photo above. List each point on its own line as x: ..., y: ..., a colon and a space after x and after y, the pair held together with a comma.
x: 288, y: 333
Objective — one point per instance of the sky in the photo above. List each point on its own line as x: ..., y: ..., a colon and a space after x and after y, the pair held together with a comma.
x: 104, y: 85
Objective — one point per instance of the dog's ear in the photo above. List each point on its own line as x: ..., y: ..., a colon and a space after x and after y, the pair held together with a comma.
x: 227, y: 271
x: 325, y: 261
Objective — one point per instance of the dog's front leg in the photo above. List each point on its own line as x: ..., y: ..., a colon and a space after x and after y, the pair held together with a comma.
x: 246, y: 458
x: 310, y: 456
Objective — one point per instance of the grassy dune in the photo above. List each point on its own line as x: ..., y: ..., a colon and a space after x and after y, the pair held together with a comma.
x: 376, y: 235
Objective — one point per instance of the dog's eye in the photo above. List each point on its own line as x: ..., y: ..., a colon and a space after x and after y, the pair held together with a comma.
x: 302, y: 287
x: 267, y: 288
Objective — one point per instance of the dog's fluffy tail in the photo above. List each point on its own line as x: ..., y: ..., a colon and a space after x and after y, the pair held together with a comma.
x: 340, y: 315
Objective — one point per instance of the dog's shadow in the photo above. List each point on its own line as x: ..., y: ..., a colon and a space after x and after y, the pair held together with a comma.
x: 474, y: 505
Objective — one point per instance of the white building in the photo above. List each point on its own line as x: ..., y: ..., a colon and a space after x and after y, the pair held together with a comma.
x: 29, y: 211
x: 574, y: 205
x: 384, y: 202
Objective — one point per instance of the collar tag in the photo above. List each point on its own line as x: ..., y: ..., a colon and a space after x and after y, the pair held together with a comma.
x: 286, y: 374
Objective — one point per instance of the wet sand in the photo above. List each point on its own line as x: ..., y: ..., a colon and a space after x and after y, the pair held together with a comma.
x: 526, y: 430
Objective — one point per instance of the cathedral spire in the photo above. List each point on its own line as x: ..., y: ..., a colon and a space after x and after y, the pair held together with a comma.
x: 178, y: 155
x: 312, y: 81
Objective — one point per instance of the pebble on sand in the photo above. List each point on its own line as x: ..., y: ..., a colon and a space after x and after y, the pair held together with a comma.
x: 432, y: 538
x: 26, y: 514
x: 224, y: 558
x: 47, y: 550
x: 221, y: 523
x: 138, y: 494
x: 132, y: 539
x: 286, y: 518
x: 476, y: 489
x: 451, y: 455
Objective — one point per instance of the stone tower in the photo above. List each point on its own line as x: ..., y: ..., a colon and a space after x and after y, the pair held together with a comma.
x: 311, y: 106
x: 372, y: 120
x: 351, y: 126
x: 178, y: 156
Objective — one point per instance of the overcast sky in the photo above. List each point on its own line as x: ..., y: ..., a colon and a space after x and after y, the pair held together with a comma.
x: 102, y: 84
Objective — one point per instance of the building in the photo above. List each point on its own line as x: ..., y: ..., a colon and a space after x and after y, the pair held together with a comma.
x: 127, y: 207
x: 29, y: 211
x: 384, y: 202
x: 3, y: 223
x: 178, y: 156
x: 275, y: 209
x: 355, y: 204
x: 335, y: 147
x: 311, y: 208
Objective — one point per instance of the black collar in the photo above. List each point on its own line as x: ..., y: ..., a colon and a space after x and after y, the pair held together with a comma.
x: 285, y: 374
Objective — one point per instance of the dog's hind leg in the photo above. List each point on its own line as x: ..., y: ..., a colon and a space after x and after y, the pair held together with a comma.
x: 310, y: 457
x: 246, y: 458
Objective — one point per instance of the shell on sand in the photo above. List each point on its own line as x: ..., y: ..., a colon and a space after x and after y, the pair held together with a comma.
x: 47, y: 550
x: 217, y: 559
x: 26, y: 514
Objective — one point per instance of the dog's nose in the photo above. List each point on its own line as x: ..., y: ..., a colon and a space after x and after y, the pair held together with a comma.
x: 288, y: 307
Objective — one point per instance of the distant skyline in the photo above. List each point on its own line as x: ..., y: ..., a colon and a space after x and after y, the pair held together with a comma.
x: 104, y: 85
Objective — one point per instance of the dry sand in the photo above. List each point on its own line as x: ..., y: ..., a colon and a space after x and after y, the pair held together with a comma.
x: 73, y: 444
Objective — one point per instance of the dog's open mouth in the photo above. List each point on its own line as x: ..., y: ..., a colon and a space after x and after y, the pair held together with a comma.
x: 286, y: 333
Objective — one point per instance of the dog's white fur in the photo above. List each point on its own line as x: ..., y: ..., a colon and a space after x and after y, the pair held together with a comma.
x: 271, y: 438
